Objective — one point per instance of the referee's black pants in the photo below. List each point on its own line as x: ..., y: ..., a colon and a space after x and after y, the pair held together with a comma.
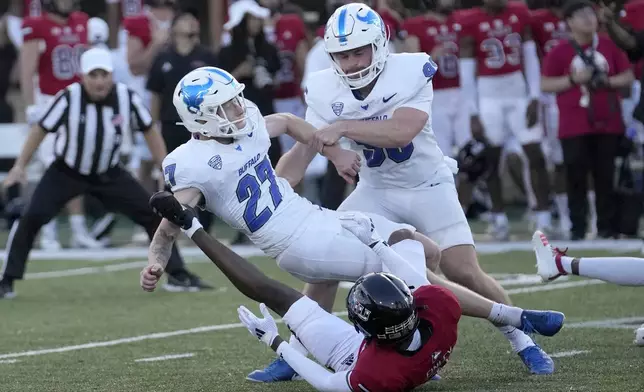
x: 116, y: 189
x: 592, y: 154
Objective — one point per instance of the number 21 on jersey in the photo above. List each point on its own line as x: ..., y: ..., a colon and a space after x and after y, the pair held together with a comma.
x: 249, y: 191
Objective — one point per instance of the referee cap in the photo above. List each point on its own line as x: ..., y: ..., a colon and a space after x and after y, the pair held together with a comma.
x: 96, y: 58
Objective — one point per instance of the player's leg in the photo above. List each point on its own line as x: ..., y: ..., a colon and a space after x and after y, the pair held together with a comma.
x: 555, y: 156
x: 55, y: 188
x: 575, y: 155
x: 552, y: 263
x: 49, y: 232
x: 602, y: 166
x: 491, y: 114
x: 530, y: 139
x: 442, y: 123
x: 459, y: 262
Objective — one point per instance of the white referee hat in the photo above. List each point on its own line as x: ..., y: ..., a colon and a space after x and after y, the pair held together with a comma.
x: 96, y: 58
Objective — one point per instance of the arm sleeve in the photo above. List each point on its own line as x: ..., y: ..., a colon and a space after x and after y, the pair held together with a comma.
x: 400, y: 267
x: 362, y: 381
x: 316, y: 375
x: 155, y: 76
x: 141, y: 113
x: 54, y: 114
x: 532, y: 69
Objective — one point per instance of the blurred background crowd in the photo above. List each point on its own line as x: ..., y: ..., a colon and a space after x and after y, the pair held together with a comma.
x: 271, y: 46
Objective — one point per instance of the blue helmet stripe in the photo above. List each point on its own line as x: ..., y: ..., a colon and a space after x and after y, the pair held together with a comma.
x: 341, y: 25
x: 221, y: 73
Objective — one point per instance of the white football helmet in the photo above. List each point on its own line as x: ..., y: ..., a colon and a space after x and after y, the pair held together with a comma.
x: 97, y: 32
x: 352, y: 26
x: 199, y: 98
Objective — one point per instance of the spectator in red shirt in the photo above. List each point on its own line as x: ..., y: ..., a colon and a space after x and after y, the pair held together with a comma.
x: 586, y: 72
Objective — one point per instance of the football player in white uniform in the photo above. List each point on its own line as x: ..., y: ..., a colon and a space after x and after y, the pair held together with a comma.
x: 382, y: 103
x: 226, y: 167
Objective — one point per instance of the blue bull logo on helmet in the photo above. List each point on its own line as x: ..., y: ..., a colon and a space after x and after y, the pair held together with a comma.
x: 371, y: 17
x: 193, y: 94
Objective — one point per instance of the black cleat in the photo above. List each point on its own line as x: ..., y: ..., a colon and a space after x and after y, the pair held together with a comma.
x: 185, y: 281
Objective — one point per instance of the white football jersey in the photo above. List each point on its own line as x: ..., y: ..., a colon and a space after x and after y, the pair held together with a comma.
x: 239, y: 185
x: 404, y: 82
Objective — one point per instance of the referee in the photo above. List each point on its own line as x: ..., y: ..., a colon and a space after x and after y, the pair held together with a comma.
x: 91, y: 119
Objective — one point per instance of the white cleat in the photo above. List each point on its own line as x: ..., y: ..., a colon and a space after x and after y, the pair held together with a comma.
x: 49, y: 244
x: 546, y: 257
x: 85, y: 241
x: 639, y: 336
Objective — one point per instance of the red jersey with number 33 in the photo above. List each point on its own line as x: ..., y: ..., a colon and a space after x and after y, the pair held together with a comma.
x: 497, y: 38
x: 385, y: 369
x: 63, y: 44
x: 433, y: 33
x: 547, y: 30
x: 289, y: 32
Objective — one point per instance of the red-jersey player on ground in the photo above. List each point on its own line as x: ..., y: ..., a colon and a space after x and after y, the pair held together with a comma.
x: 496, y: 44
x: 406, y: 328
x: 548, y: 28
x: 436, y: 33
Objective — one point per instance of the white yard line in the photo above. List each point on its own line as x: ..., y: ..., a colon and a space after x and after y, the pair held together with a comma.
x: 9, y: 361
x: 134, y: 339
x: 166, y: 357
x: 621, y: 246
x: 572, y: 353
x: 554, y: 286
x: 618, y: 323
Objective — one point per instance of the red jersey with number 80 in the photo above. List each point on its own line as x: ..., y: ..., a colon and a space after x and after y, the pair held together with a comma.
x: 63, y: 44
x: 433, y: 33
x: 547, y: 30
x: 497, y: 38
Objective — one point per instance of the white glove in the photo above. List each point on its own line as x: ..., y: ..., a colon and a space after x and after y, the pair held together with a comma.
x: 264, y: 329
x: 361, y: 226
x: 32, y: 114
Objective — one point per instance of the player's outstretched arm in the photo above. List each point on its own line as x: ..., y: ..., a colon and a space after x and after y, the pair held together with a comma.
x: 247, y: 278
x: 161, y: 245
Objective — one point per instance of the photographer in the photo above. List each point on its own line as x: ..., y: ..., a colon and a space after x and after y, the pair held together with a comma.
x: 632, y: 42
x: 587, y: 72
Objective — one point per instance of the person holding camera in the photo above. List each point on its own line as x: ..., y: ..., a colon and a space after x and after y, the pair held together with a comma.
x: 629, y: 39
x: 586, y: 73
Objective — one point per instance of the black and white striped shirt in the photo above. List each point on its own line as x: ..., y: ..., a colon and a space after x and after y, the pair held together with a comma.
x: 90, y: 136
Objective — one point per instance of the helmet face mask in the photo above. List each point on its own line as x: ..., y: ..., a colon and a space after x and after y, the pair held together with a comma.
x: 382, y: 308
x: 210, y: 102
x: 354, y: 26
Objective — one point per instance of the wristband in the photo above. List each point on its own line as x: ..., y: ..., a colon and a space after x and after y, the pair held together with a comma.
x: 194, y: 226
x: 275, y: 344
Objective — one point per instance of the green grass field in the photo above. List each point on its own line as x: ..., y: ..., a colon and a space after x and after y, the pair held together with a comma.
x: 99, y: 324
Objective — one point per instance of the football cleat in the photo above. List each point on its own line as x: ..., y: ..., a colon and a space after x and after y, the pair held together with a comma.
x: 547, y: 257
x: 546, y: 323
x: 6, y: 291
x: 185, y: 281
x: 537, y: 361
x: 639, y: 336
x: 276, y: 371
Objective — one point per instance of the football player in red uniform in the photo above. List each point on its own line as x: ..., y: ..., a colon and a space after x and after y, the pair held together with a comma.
x: 406, y: 327
x: 19, y: 9
x: 548, y: 28
x: 496, y: 45
x: 436, y: 33
x: 53, y: 44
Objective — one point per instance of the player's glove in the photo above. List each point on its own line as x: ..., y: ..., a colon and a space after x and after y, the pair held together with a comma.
x: 167, y: 206
x: 264, y: 329
x: 361, y: 226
